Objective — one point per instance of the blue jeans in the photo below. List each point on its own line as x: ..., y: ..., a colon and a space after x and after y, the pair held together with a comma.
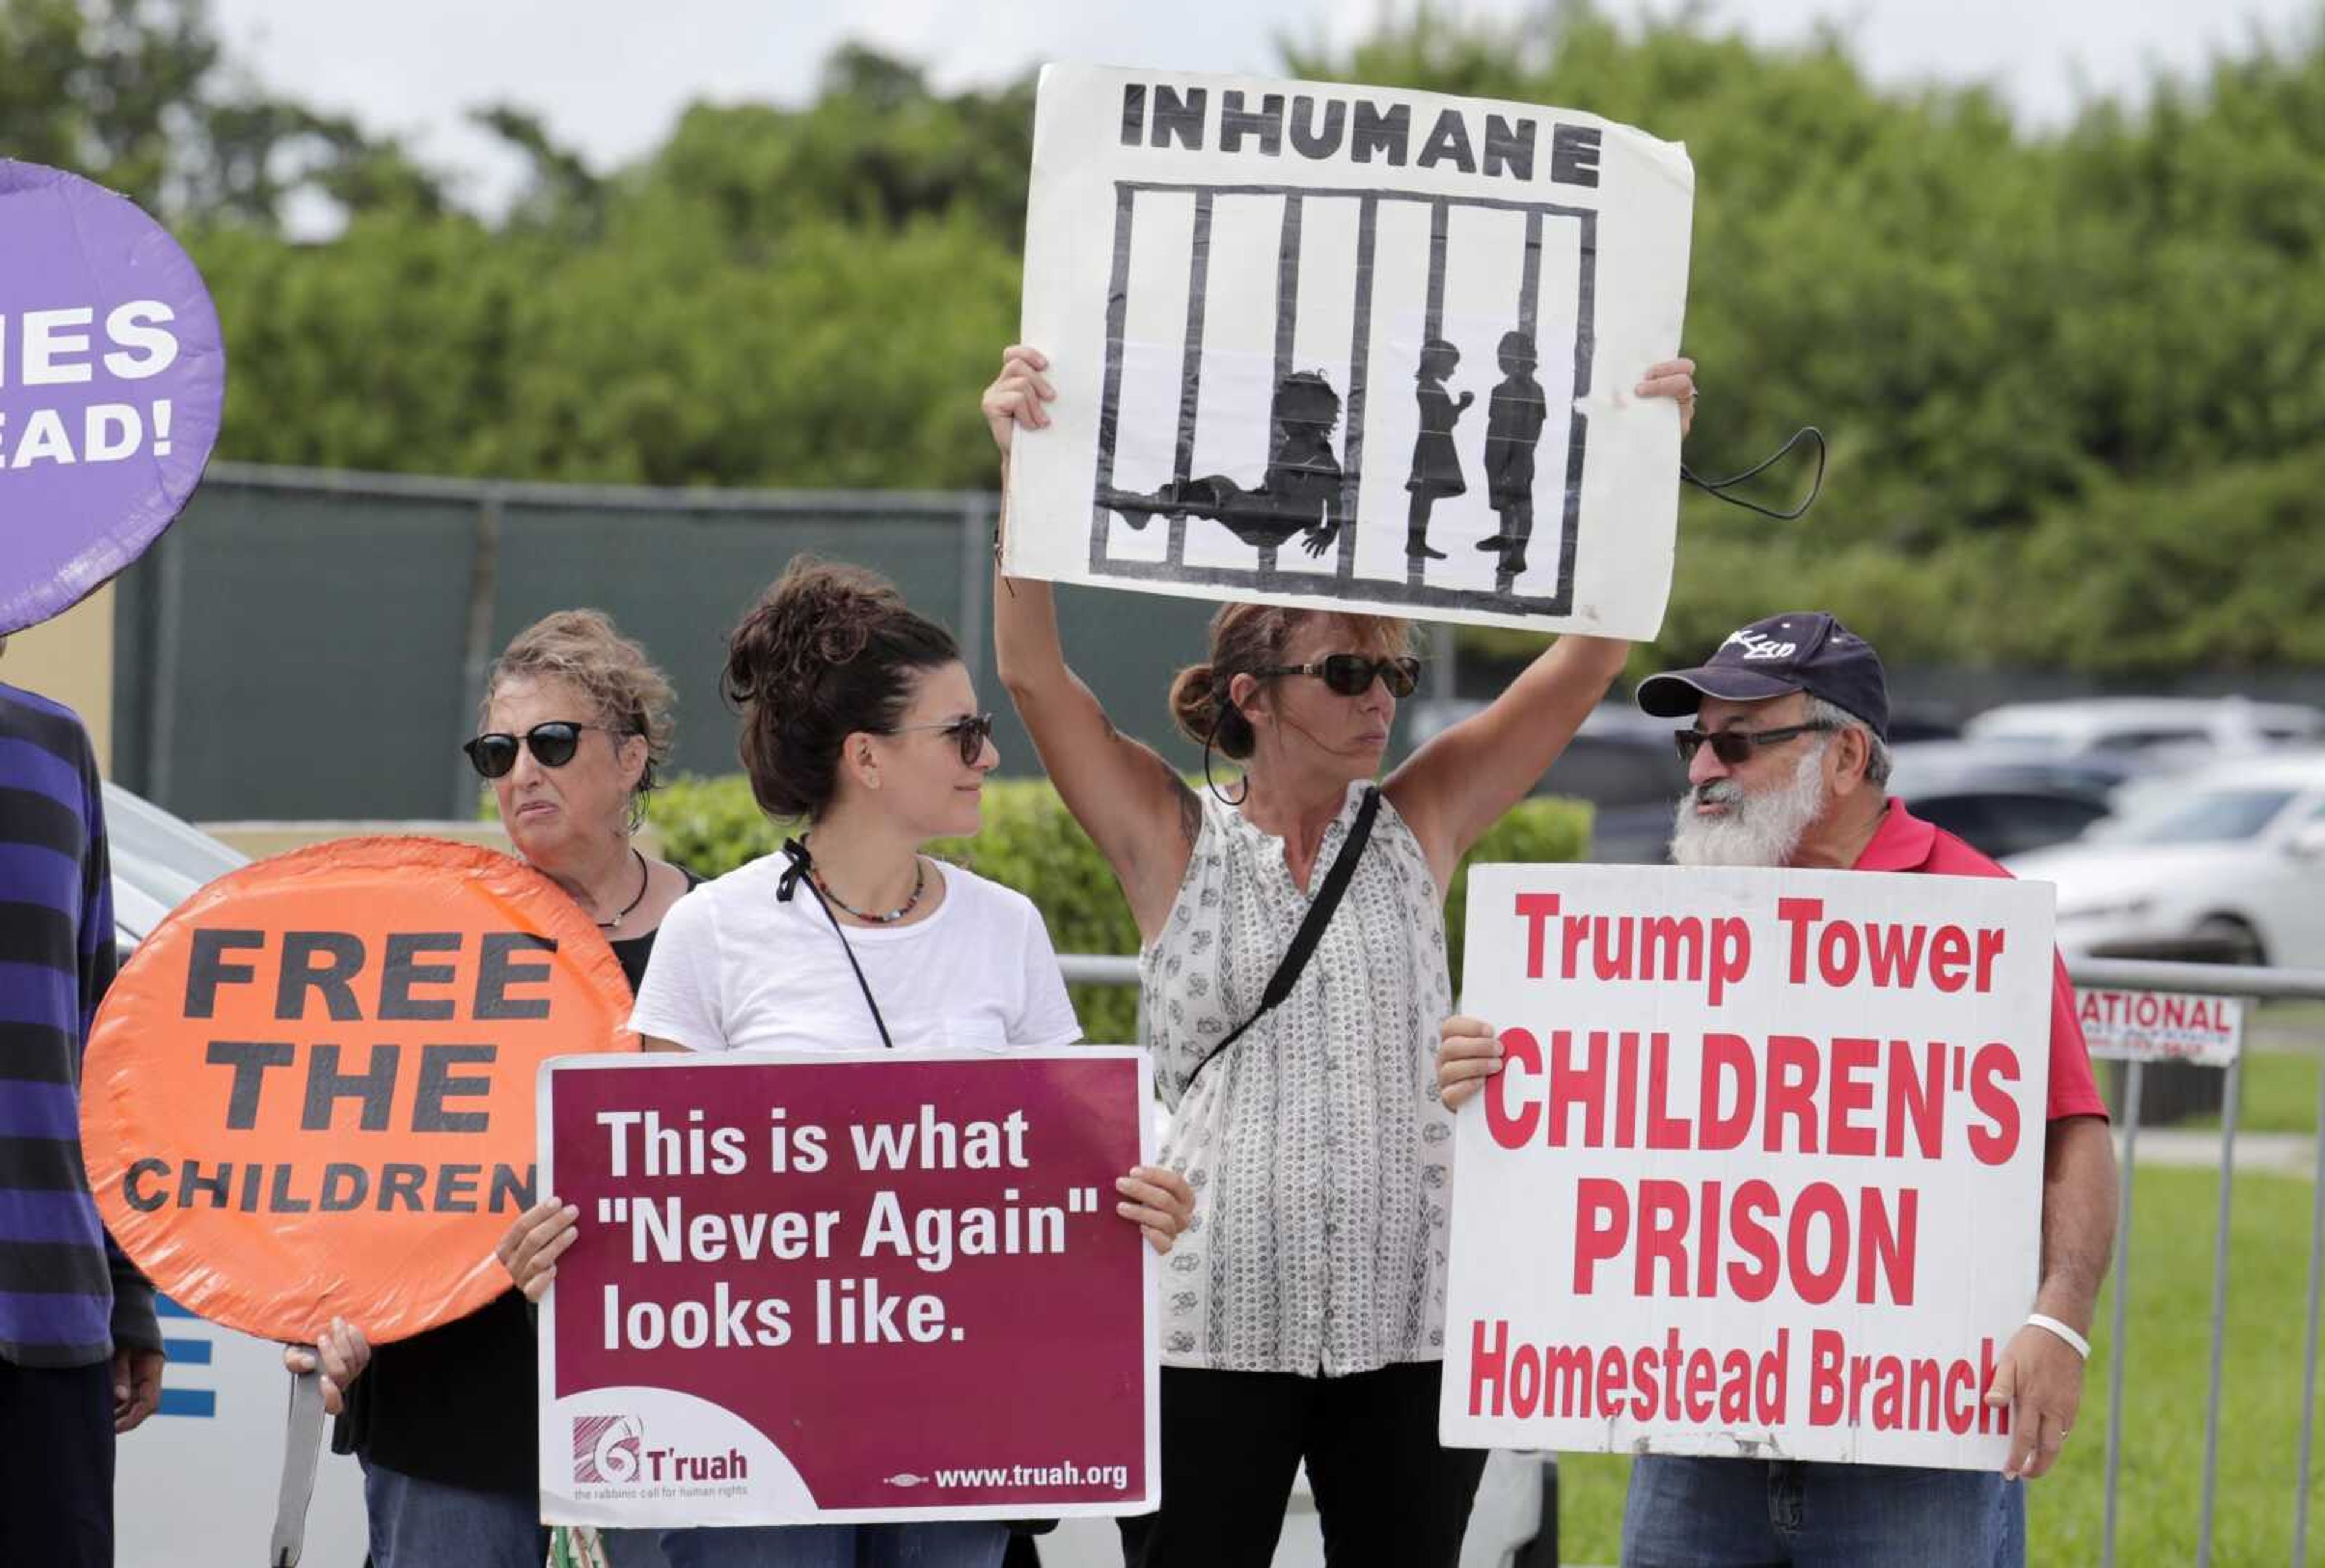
x: 425, y: 1523
x: 944, y: 1543
x: 1750, y: 1513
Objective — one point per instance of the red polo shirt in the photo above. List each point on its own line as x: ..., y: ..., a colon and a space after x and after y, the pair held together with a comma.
x: 1903, y: 842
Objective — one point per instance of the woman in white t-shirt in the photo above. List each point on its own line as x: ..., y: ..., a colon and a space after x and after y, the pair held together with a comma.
x: 859, y: 718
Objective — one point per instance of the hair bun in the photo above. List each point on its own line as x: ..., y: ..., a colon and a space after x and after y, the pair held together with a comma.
x: 829, y: 649
x: 1201, y: 708
x: 819, y: 616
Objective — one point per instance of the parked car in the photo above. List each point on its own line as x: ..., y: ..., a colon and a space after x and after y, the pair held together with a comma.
x: 1621, y: 761
x: 2181, y: 728
x: 2001, y: 800
x: 2231, y: 857
x: 196, y: 1484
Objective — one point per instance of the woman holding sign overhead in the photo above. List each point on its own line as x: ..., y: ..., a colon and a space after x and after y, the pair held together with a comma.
x: 858, y: 718
x: 576, y: 726
x: 1293, y: 971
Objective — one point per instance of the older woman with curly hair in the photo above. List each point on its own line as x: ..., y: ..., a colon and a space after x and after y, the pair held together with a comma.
x: 574, y: 731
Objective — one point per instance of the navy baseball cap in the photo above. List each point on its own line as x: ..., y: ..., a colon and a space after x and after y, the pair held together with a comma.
x: 1803, y: 650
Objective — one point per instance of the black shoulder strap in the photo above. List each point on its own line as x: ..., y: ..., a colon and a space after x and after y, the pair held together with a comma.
x: 801, y: 863
x: 1310, y: 932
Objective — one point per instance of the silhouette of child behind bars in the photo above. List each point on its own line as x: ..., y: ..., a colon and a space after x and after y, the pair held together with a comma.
x: 1514, y: 423
x: 1436, y: 466
x: 1301, y: 492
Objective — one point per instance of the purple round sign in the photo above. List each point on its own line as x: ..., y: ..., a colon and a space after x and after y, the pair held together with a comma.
x: 112, y: 381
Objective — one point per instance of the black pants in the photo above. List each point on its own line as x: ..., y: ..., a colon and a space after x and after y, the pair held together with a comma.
x: 56, y: 1465
x: 1387, y: 1493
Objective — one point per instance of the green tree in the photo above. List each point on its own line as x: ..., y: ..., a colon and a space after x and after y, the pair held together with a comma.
x: 2074, y: 383
x: 137, y: 94
x: 2089, y: 361
x: 105, y: 88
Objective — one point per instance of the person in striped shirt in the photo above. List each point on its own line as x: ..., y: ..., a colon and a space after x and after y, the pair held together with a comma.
x: 80, y: 1354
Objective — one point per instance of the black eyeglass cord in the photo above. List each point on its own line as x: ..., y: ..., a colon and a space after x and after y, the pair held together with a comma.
x: 802, y: 869
x: 1719, y: 487
x: 1211, y: 738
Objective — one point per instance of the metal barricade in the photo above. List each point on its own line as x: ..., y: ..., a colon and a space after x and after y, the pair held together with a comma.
x: 2213, y: 981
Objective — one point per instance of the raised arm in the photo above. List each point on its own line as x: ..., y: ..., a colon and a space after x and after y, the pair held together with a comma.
x: 1135, y: 806
x: 1460, y: 784
x: 1457, y: 786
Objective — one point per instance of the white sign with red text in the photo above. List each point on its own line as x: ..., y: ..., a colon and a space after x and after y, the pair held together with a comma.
x: 2161, y: 1026
x: 1762, y: 1173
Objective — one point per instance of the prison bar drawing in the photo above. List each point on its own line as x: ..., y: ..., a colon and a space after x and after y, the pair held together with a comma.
x: 1411, y: 585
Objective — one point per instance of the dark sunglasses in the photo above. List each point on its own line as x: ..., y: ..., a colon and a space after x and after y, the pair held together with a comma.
x: 1732, y: 747
x: 553, y: 745
x: 1352, y: 674
x: 969, y: 733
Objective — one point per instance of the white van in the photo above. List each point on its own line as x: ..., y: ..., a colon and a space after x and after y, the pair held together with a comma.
x: 195, y: 1486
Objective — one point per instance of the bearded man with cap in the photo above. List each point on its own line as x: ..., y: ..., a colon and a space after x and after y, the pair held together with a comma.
x: 1787, y: 758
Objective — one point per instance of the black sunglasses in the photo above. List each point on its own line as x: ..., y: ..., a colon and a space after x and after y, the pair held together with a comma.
x: 1352, y: 674
x: 553, y: 745
x: 969, y: 733
x: 1731, y: 746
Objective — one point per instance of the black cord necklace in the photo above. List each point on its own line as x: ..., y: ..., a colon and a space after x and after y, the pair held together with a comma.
x: 646, y: 880
x: 919, y: 886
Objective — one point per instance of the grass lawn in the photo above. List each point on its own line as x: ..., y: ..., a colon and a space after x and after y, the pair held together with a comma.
x: 2283, y: 1042
x: 2279, y: 1094
x: 2165, y: 1381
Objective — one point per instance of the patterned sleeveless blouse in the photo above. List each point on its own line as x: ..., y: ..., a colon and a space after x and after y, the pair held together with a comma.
x: 1319, y: 1150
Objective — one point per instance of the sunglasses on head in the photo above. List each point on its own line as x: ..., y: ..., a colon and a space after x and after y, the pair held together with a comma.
x: 970, y: 732
x: 553, y: 745
x: 1731, y: 746
x: 1352, y: 674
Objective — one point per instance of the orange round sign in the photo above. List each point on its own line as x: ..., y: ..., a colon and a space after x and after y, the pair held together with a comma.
x: 310, y: 1091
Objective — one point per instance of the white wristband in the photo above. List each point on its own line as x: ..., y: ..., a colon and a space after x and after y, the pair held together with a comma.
x: 2075, y: 1341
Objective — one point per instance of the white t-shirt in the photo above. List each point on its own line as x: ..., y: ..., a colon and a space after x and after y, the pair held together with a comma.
x: 734, y: 968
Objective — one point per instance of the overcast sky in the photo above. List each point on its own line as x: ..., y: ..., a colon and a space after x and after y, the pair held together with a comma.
x: 610, y: 76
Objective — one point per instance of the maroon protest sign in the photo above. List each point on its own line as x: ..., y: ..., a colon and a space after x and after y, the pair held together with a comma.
x: 848, y: 1285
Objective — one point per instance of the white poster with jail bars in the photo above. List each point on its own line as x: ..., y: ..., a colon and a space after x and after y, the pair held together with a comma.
x: 1315, y: 342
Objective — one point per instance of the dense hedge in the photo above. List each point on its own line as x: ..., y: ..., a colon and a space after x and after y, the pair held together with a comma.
x: 1031, y: 843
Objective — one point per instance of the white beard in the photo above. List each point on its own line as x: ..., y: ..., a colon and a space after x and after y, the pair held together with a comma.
x: 1762, y: 829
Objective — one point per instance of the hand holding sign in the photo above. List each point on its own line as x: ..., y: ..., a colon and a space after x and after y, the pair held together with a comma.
x: 1468, y: 1052
x: 1674, y: 379
x: 1158, y: 1201
x: 340, y: 1353
x: 1017, y: 395
x: 535, y: 1242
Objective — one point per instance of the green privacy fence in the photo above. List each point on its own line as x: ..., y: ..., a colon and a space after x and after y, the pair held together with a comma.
x: 313, y: 643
